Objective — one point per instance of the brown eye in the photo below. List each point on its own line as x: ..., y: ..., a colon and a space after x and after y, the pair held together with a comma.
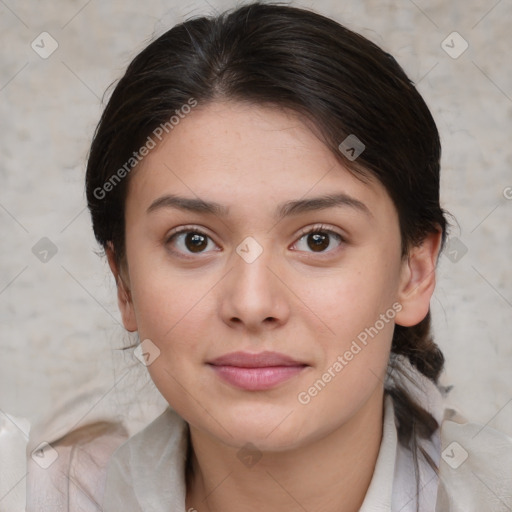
x: 318, y: 240
x: 195, y: 242
x: 189, y: 241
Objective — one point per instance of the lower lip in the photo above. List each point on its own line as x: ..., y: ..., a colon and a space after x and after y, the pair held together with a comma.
x: 256, y: 379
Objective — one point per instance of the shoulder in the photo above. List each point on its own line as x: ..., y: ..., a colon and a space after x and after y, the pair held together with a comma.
x: 148, y: 465
x: 69, y: 473
x: 475, y: 467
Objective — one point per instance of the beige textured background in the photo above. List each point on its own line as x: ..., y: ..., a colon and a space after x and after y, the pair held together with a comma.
x: 58, y: 319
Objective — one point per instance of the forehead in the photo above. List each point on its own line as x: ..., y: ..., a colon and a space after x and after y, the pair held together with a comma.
x: 246, y: 155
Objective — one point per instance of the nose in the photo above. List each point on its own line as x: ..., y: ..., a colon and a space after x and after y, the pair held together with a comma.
x: 254, y: 296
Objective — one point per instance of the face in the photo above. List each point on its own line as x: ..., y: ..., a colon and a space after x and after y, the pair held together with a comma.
x: 251, y: 275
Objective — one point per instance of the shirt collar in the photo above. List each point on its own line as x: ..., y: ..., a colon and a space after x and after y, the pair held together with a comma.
x: 413, y: 487
x: 379, y: 494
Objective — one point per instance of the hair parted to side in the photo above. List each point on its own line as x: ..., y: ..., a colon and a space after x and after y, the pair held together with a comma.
x: 338, y: 81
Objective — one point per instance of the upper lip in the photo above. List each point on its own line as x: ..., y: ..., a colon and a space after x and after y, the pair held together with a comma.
x: 258, y: 360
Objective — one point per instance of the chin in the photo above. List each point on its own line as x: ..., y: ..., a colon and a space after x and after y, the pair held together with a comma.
x: 267, y: 432
x: 260, y: 440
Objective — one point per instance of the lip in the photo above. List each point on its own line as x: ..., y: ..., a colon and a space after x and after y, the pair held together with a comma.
x: 256, y: 372
x: 255, y: 360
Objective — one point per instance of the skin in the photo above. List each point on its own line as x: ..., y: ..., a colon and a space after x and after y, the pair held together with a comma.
x: 306, y: 303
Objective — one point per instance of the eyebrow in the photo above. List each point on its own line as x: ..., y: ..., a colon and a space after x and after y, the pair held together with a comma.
x: 286, y: 209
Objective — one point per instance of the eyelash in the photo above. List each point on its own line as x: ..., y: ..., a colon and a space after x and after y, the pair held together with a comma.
x: 307, y: 231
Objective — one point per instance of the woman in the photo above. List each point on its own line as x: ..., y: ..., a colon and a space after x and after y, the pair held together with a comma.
x: 265, y: 185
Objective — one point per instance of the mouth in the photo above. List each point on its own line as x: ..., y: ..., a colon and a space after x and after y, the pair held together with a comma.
x: 256, y: 372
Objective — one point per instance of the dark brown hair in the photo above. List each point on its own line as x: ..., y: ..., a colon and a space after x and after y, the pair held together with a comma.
x: 338, y: 81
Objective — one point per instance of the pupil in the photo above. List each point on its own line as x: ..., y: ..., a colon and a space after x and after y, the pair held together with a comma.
x: 197, y: 242
x: 319, y: 241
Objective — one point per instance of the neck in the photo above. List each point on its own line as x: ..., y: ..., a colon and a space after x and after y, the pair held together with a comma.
x: 331, y: 474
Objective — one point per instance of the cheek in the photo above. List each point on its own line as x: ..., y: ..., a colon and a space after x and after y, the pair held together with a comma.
x: 162, y: 297
x: 177, y: 323
x: 175, y: 312
x: 354, y: 298
x: 171, y: 312
x: 359, y: 307
x: 352, y: 362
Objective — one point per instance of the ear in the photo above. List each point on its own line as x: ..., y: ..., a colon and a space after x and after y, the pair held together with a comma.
x: 418, y: 280
x: 124, y: 299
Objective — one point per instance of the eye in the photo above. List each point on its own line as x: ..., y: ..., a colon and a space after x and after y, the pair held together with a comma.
x: 194, y: 241
x: 319, y: 238
x: 189, y: 240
